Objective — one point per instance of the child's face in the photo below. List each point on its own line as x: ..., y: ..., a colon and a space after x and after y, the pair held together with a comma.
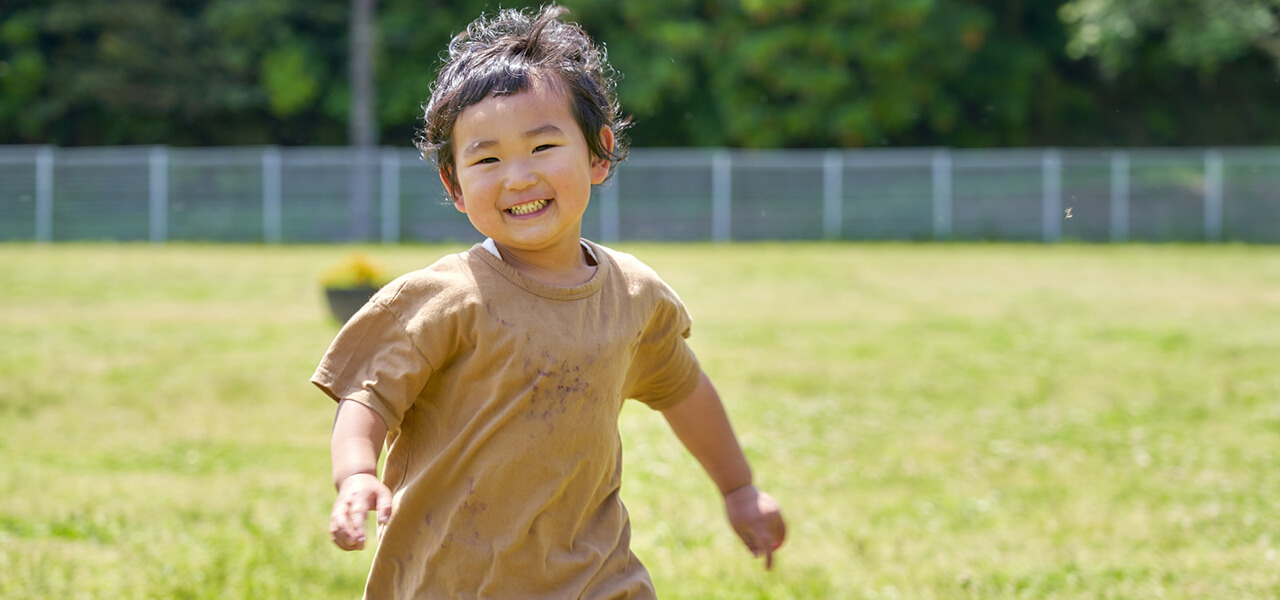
x: 524, y: 170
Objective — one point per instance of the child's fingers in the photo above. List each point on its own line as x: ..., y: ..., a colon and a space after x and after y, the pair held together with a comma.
x: 342, y: 531
x: 757, y: 541
x: 763, y: 535
x: 776, y: 532
x: 782, y: 532
x: 339, y: 527
x: 356, y: 497
x: 384, y: 505
x: 346, y: 524
x: 356, y: 515
x: 767, y: 545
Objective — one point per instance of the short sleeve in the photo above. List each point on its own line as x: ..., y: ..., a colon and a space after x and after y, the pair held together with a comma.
x: 374, y: 361
x: 664, y: 370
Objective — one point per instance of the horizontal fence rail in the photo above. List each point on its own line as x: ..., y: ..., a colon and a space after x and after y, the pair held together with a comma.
x: 315, y: 195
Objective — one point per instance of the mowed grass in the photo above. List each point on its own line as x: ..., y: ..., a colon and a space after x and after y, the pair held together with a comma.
x: 938, y: 421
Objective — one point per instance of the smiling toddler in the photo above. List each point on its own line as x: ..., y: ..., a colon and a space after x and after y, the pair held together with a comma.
x: 495, y: 376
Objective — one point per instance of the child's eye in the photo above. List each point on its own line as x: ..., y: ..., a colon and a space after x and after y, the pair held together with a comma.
x: 544, y: 147
x: 486, y: 161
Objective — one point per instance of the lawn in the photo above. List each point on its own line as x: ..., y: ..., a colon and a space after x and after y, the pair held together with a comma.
x: 938, y: 421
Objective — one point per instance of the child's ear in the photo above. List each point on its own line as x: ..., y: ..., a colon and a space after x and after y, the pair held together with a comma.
x: 600, y: 166
x: 455, y: 194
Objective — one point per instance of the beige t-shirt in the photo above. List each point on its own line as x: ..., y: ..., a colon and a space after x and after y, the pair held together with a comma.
x: 501, y: 396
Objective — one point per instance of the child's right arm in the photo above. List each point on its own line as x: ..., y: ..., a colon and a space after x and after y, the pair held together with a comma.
x: 358, y: 433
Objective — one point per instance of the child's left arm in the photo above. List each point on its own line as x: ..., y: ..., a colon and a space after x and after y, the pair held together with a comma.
x: 703, y: 427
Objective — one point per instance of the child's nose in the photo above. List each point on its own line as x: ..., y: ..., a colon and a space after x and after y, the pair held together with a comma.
x: 520, y: 177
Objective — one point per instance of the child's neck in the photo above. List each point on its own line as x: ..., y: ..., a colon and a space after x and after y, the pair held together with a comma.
x: 564, y: 266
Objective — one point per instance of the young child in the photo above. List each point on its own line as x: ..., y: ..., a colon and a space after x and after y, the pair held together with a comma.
x: 495, y: 377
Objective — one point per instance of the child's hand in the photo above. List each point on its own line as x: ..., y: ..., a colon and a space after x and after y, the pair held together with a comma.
x: 359, y: 494
x: 756, y: 519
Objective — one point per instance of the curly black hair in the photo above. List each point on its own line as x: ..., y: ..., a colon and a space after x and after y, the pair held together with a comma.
x: 505, y: 54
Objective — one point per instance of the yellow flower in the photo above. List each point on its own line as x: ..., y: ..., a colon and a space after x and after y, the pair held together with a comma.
x: 357, y: 270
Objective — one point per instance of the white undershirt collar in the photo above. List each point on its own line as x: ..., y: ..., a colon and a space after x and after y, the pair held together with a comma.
x: 492, y: 247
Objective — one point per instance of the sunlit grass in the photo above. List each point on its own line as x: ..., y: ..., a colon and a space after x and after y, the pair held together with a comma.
x: 939, y: 421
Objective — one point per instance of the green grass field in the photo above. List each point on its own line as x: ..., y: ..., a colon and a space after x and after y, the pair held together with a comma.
x: 938, y: 421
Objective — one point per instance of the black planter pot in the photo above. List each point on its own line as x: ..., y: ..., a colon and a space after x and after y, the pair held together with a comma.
x: 344, y: 302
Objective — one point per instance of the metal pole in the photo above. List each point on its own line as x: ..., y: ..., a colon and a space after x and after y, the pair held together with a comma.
x: 159, y: 194
x: 271, y: 195
x: 360, y: 181
x: 609, y: 211
x: 833, y: 195
x: 1051, y: 192
x: 44, y: 194
x: 362, y: 128
x: 721, y: 196
x: 390, y: 196
x: 941, y: 194
x: 1120, y: 196
x: 1213, y: 195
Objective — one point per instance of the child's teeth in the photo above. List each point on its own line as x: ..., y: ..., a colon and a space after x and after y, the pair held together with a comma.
x: 527, y: 208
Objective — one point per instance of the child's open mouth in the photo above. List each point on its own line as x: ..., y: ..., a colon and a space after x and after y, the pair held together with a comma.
x: 528, y: 207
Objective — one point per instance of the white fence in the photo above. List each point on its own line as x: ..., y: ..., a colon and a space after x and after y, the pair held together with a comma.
x: 274, y: 195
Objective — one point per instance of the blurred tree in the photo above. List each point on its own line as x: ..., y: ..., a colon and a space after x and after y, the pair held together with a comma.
x: 412, y: 36
x: 1177, y: 72
x: 179, y: 72
x: 768, y: 73
x: 1203, y: 34
x: 362, y: 123
x: 743, y: 73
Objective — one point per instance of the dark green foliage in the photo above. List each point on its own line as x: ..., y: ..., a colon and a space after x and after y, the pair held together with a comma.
x: 749, y: 73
